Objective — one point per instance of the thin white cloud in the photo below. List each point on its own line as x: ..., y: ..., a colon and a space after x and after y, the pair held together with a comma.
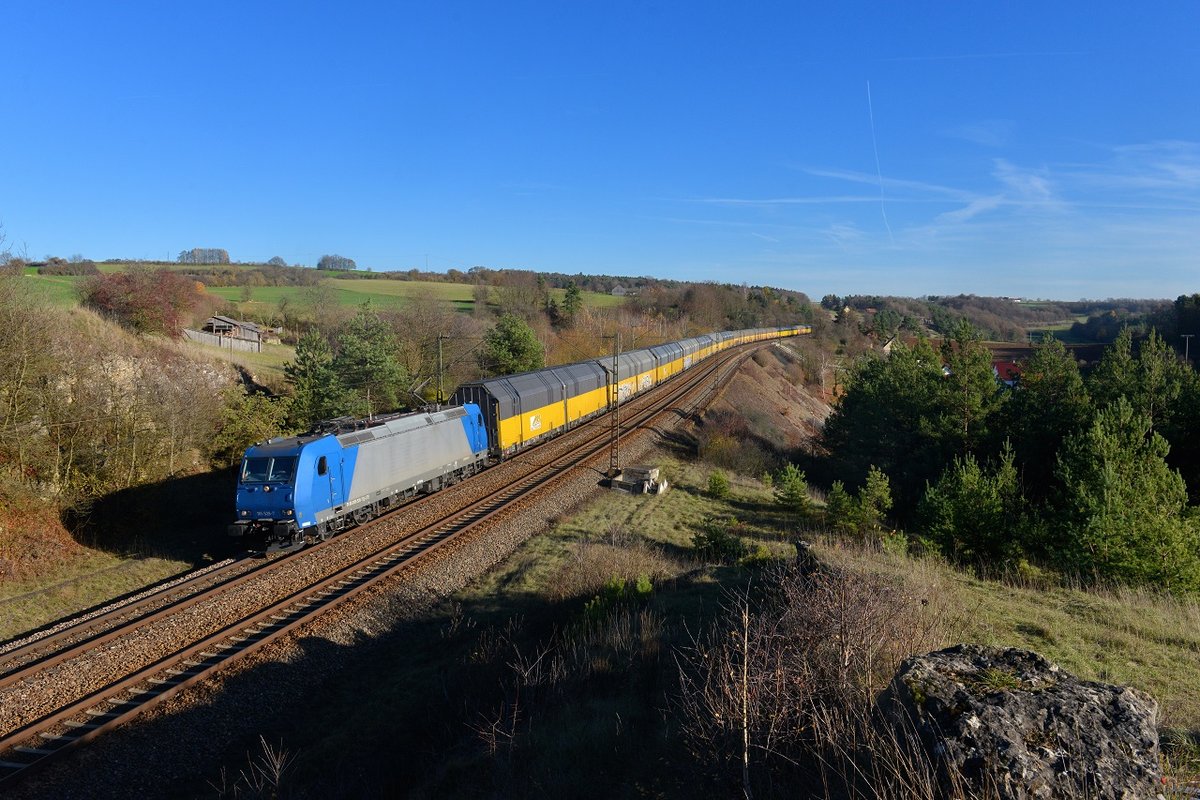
x: 1164, y: 166
x: 1024, y: 184
x: 972, y: 209
x: 844, y: 233
x: 890, y: 183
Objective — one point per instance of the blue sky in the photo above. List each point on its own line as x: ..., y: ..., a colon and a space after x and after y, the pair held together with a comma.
x: 1006, y: 148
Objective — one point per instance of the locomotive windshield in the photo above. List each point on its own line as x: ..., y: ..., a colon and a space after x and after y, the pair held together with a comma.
x: 269, y: 470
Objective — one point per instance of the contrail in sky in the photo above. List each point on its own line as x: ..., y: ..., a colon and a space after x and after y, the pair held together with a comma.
x: 878, y: 171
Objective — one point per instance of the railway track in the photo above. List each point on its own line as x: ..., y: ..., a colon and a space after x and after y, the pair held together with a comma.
x: 197, y: 656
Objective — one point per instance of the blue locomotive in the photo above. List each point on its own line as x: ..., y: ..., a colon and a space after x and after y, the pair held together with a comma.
x: 307, y: 487
x: 301, y: 488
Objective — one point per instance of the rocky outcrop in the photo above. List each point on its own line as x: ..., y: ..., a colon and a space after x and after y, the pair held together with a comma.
x: 1007, y: 723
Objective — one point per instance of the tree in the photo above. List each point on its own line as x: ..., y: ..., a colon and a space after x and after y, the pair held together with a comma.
x: 1159, y: 385
x: 336, y: 262
x: 718, y: 485
x: 1116, y: 374
x: 204, y: 255
x: 874, y: 501
x: 969, y: 392
x: 246, y: 419
x: 366, y: 365
x: 276, y: 261
x: 1048, y: 404
x: 517, y: 292
x: 886, y: 417
x: 317, y: 391
x: 511, y: 346
x: 791, y: 490
x: 572, y: 302
x: 841, y: 512
x: 974, y: 514
x: 1123, y: 509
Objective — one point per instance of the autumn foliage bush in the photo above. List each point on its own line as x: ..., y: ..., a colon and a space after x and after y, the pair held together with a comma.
x: 32, y: 537
x: 146, y: 301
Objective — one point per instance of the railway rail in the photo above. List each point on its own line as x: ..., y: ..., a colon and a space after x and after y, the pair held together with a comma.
x: 70, y: 722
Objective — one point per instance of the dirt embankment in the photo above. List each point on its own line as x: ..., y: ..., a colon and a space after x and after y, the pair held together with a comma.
x: 777, y: 398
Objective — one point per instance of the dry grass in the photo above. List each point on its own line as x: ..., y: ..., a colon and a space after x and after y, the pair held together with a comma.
x: 1126, y: 636
x: 780, y: 691
x: 87, y: 579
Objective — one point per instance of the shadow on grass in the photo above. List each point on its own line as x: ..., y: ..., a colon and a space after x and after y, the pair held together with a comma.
x: 182, y: 519
x: 428, y: 709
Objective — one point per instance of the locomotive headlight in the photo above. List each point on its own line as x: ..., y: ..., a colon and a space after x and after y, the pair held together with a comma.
x: 288, y: 512
x: 245, y: 513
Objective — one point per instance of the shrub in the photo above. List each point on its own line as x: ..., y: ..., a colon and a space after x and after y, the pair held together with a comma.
x: 778, y: 695
x: 894, y: 543
x: 145, y: 301
x: 841, y: 512
x: 57, y: 266
x: 716, y: 542
x: 791, y: 491
x: 718, y: 485
x: 616, y: 593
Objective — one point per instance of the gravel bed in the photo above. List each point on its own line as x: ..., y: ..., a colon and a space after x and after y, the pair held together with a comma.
x: 254, y: 695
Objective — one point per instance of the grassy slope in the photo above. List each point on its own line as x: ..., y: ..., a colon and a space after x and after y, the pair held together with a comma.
x: 80, y: 583
x: 1124, y: 636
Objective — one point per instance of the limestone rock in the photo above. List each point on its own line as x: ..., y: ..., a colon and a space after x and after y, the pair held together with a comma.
x: 1007, y: 723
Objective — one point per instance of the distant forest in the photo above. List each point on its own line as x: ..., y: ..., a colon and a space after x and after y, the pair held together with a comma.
x: 1005, y: 319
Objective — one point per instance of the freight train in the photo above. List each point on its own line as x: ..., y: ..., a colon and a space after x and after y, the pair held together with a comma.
x: 296, y: 489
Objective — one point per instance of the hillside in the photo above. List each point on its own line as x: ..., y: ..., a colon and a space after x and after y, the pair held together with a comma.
x: 602, y: 717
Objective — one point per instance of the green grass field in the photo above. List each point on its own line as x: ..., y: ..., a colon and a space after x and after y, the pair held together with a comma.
x: 264, y: 301
x: 58, y: 290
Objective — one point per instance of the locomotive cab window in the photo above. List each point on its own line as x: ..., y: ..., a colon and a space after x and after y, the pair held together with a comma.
x: 255, y: 470
x: 263, y: 470
x: 282, y: 469
x: 322, y: 466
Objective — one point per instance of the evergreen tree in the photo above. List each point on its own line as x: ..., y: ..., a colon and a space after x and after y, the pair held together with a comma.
x: 511, y: 346
x: 718, y: 485
x: 1123, y: 508
x: 1161, y: 379
x: 366, y: 363
x: 791, y: 490
x: 874, y: 501
x: 975, y: 515
x: 969, y: 393
x: 1116, y: 374
x: 1049, y: 404
x: 888, y: 416
x: 317, y: 391
x: 841, y: 512
x: 572, y: 302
